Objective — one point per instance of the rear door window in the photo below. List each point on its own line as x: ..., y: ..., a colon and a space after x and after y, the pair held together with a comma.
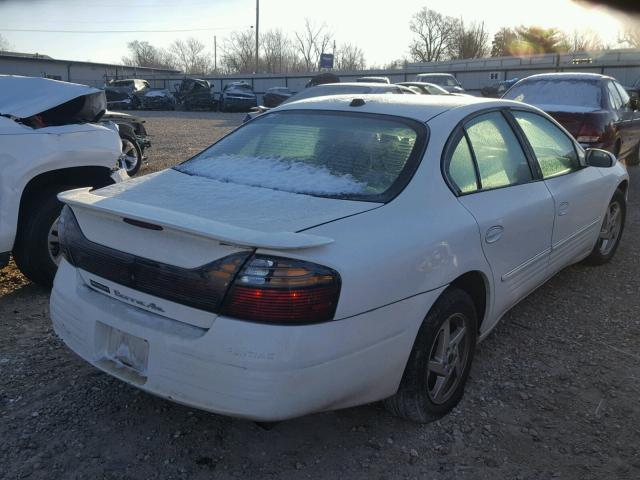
x: 500, y: 159
x: 554, y: 151
x: 614, y: 96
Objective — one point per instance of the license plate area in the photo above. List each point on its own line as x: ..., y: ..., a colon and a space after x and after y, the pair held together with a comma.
x: 124, y: 355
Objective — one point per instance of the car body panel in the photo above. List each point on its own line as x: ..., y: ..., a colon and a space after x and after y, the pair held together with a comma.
x: 394, y: 261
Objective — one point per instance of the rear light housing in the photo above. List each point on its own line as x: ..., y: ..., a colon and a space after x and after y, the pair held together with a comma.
x: 589, y: 133
x: 281, y: 290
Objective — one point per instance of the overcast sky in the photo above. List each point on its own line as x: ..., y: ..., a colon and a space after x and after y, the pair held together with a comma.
x: 379, y: 28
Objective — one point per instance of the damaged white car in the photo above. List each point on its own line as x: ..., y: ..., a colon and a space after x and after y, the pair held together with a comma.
x: 331, y: 252
x: 47, y: 145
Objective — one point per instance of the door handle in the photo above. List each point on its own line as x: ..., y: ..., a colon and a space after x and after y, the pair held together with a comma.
x: 563, y: 209
x: 494, y: 234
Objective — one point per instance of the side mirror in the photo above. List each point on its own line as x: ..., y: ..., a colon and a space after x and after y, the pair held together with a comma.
x: 595, y: 157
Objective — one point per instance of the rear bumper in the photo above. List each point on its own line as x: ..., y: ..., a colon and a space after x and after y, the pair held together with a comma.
x: 243, y: 369
x: 4, y: 259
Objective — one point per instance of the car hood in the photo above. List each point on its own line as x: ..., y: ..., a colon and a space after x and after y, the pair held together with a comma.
x: 22, y: 97
x: 238, y: 214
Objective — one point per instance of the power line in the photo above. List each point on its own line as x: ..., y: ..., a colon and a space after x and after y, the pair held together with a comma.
x: 34, y: 30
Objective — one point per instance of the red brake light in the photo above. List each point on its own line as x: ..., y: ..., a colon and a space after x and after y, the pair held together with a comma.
x: 283, y: 290
x: 589, y: 133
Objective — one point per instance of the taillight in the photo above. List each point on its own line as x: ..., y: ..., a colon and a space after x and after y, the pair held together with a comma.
x: 283, y: 290
x: 589, y: 133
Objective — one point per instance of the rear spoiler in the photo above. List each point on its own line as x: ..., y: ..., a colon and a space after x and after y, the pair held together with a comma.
x: 82, y: 198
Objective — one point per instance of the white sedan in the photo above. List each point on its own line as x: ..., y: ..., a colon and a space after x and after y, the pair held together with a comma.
x: 332, y: 252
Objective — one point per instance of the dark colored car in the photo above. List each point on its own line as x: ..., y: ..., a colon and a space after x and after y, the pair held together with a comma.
x: 322, y: 79
x: 274, y: 96
x: 425, y: 88
x: 125, y: 94
x: 133, y: 136
x: 196, y: 94
x: 158, y: 99
x: 496, y: 90
x: 237, y: 96
x: 444, y: 80
x: 594, y: 108
x: 336, y: 89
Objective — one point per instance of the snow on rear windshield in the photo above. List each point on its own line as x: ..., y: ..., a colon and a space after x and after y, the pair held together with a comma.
x: 571, y: 93
x: 316, y: 153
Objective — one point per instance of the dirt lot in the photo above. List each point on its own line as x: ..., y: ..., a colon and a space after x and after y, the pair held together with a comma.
x: 554, y: 391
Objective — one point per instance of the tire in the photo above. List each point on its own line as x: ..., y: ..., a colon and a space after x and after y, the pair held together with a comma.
x: 32, y: 252
x: 222, y: 107
x: 418, y: 398
x: 133, y: 153
x: 610, y: 232
x: 634, y: 157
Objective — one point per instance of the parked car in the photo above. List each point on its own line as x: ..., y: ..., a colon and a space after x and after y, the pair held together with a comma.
x: 322, y: 79
x: 333, y: 252
x: 425, y: 88
x: 125, y: 94
x: 158, y: 99
x: 48, y: 145
x: 444, y: 80
x: 237, y: 96
x: 134, y: 139
x: 595, y: 108
x: 497, y: 89
x: 196, y: 94
x: 335, y: 89
x: 373, y: 80
x: 274, y: 96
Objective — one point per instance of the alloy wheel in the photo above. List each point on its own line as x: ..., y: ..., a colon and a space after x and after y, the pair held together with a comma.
x: 53, y: 243
x: 130, y: 154
x: 611, y: 227
x: 447, y: 358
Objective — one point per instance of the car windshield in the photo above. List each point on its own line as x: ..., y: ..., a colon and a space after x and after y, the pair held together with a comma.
x: 329, y: 154
x: 323, y: 90
x: 240, y: 87
x: 573, y: 93
x: 440, y: 80
x: 436, y: 90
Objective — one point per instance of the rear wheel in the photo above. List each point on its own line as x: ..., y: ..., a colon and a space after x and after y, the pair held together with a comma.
x: 37, y: 249
x: 438, y: 367
x: 610, y: 232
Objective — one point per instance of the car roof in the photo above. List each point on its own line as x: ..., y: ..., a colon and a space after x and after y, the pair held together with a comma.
x: 436, y: 74
x: 567, y: 76
x: 417, y: 107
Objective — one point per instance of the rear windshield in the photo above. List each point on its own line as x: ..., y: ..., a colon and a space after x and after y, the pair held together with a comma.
x: 570, y: 92
x: 440, y: 80
x: 330, y: 154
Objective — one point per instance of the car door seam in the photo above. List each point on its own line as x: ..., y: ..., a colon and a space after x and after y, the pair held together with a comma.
x: 527, y: 263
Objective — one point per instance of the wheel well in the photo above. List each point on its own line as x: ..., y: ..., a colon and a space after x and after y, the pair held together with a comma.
x: 93, y: 176
x: 623, y: 187
x: 475, y: 284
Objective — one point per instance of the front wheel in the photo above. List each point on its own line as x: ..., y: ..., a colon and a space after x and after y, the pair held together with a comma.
x: 634, y: 157
x: 610, y: 232
x: 438, y: 367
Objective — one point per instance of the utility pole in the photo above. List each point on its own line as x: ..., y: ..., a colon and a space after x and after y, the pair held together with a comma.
x: 257, y: 30
x: 215, y: 54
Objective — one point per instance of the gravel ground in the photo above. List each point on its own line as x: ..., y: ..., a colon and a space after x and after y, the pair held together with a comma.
x: 554, y: 391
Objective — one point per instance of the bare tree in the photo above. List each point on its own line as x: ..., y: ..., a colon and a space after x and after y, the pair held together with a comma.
x: 238, y: 52
x: 311, y: 43
x: 277, y: 54
x: 4, y: 44
x: 143, y: 54
x: 585, y: 40
x: 434, y: 35
x: 190, y: 56
x: 470, y: 41
x: 630, y: 36
x: 502, y: 42
x: 349, y: 57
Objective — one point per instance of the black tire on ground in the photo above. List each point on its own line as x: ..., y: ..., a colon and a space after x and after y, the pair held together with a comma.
x: 610, y: 232
x: 222, y: 107
x: 634, y: 157
x: 417, y: 398
x: 135, y: 103
x: 31, y: 249
x: 130, y: 146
